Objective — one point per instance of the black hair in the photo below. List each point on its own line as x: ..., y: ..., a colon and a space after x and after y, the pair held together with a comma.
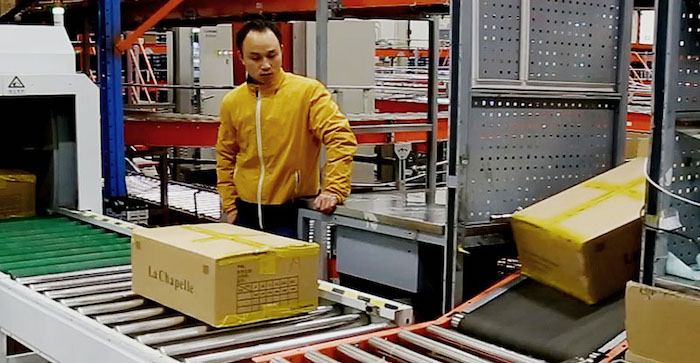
x: 258, y: 25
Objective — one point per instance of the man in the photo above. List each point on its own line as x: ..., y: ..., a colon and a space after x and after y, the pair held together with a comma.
x: 270, y: 137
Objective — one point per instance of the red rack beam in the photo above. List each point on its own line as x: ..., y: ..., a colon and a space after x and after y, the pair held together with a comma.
x: 133, y: 11
x: 170, y: 133
x: 187, y: 133
x: 399, y: 52
x: 637, y: 121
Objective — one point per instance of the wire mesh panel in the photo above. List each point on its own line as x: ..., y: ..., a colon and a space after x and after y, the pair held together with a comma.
x: 673, y: 193
x: 524, y: 141
x: 686, y: 183
x: 689, y: 58
x: 499, y: 39
x: 574, y: 41
x: 522, y: 150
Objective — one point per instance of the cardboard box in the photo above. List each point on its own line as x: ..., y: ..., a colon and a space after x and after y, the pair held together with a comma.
x: 585, y: 241
x: 637, y: 144
x: 225, y: 275
x: 17, y: 194
x: 6, y: 5
x: 662, y: 325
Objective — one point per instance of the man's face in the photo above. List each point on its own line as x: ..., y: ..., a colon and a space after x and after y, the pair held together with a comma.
x: 261, y: 54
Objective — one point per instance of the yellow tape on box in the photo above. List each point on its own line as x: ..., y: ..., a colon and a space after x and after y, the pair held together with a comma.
x: 585, y: 240
x: 225, y: 275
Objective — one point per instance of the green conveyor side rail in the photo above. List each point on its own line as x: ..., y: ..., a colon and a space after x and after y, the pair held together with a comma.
x: 74, y: 226
x: 68, y: 232
x: 22, y: 225
x: 70, y: 267
x: 20, y: 251
x: 65, y: 259
x: 12, y: 245
x: 46, y: 245
x: 77, y: 251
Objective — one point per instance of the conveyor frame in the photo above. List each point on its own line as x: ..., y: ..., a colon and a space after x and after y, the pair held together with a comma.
x: 55, y: 331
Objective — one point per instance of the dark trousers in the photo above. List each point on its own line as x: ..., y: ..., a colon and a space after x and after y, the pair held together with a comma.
x: 277, y: 219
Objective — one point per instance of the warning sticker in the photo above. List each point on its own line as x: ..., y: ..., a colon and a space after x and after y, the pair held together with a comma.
x: 16, y: 83
x: 16, y: 86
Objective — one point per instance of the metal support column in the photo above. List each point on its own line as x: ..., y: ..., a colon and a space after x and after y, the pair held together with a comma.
x: 322, y: 62
x: 322, y: 41
x: 3, y: 347
x: 433, y: 61
x: 623, y: 61
x: 111, y: 105
x: 664, y: 107
x: 460, y: 101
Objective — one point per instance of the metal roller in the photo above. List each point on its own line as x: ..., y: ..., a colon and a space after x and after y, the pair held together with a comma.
x: 279, y: 360
x: 399, y: 352
x: 150, y: 325
x: 129, y: 315
x: 257, y: 335
x: 88, y: 290
x: 249, y: 352
x: 86, y: 281
x: 480, y: 347
x: 456, y: 320
x: 193, y: 332
x: 172, y: 335
x: 359, y: 354
x: 96, y: 299
x: 73, y: 275
x: 440, y: 349
x: 317, y: 357
x: 110, y: 307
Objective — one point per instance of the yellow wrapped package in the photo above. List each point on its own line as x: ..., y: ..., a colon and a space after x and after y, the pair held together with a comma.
x: 224, y: 275
x: 17, y: 194
x: 586, y: 240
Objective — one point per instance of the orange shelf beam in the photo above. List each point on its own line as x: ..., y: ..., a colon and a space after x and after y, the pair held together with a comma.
x: 132, y: 11
x: 133, y: 37
x: 398, y: 52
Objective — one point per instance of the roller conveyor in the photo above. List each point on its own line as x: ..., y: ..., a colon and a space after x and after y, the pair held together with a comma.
x: 88, y: 314
x: 455, y: 338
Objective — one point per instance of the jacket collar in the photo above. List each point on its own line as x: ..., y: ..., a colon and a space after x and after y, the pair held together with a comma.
x: 267, y: 89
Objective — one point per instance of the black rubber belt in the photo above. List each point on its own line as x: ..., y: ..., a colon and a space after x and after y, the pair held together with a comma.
x: 537, y: 320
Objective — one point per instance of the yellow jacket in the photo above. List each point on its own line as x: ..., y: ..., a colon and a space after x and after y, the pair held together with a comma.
x: 277, y: 131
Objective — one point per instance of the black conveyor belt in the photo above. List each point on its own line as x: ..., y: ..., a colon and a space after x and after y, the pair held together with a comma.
x: 537, y: 320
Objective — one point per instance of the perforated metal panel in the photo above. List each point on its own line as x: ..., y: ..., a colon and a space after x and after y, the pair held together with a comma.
x: 523, y: 150
x: 686, y: 183
x: 499, y: 39
x: 575, y: 41
x: 689, y: 59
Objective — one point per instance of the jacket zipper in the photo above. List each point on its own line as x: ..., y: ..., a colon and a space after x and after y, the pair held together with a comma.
x: 296, y: 186
x: 258, y: 127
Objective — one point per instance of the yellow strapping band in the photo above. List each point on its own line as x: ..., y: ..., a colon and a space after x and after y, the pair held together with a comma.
x: 238, y: 238
x: 266, y: 254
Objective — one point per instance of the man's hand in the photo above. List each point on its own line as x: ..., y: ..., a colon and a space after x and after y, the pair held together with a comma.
x: 325, y: 203
x: 231, y: 218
